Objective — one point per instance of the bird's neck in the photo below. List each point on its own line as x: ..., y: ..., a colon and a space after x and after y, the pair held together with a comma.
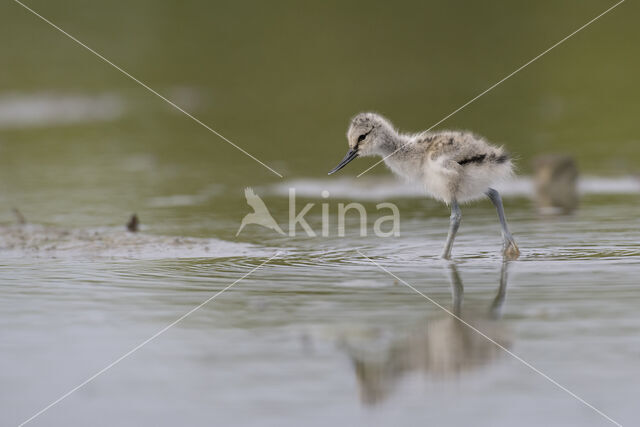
x: 389, y: 142
x: 397, y: 155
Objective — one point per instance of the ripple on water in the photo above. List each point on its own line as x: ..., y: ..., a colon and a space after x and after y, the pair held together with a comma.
x: 55, y: 242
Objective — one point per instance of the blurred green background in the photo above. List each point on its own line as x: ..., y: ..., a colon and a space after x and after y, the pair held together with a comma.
x: 283, y: 78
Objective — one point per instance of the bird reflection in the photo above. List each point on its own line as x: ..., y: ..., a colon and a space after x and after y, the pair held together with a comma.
x: 438, y: 349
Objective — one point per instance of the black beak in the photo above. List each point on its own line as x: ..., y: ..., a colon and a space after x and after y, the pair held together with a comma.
x: 352, y: 154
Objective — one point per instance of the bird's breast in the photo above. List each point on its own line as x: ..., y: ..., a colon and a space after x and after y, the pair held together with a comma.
x: 409, y: 169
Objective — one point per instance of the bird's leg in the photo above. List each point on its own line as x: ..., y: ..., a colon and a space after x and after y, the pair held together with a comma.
x: 510, y: 249
x: 454, y: 223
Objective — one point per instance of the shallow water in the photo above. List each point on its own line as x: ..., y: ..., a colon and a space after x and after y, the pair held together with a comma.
x: 319, y: 334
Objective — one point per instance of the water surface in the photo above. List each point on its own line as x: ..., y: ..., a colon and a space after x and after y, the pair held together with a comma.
x: 320, y: 334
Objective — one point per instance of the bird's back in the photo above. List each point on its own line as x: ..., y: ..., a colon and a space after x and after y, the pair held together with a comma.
x: 460, y: 146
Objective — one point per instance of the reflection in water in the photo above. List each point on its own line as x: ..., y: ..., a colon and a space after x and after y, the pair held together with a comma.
x: 439, y: 348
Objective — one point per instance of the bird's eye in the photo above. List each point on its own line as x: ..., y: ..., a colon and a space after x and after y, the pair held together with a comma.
x: 362, y: 137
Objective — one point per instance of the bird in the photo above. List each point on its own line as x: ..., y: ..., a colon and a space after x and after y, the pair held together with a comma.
x: 452, y: 166
x: 260, y: 214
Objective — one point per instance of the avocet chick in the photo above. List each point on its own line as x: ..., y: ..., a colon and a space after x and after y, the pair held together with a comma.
x: 452, y: 166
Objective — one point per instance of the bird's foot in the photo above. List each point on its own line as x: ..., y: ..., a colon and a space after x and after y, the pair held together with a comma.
x: 446, y: 253
x: 510, y: 250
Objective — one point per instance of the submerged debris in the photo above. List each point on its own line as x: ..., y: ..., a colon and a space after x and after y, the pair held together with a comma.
x: 134, y: 224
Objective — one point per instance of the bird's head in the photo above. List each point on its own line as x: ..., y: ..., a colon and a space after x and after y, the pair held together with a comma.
x: 366, y: 135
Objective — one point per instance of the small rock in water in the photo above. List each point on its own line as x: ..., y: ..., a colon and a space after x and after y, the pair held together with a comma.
x: 134, y: 224
x: 556, y: 177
